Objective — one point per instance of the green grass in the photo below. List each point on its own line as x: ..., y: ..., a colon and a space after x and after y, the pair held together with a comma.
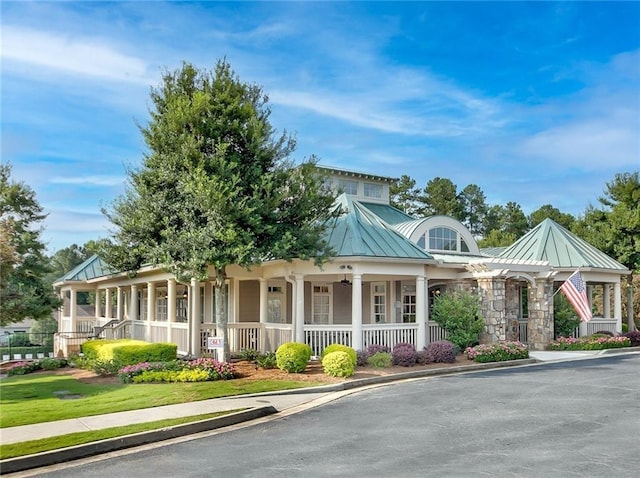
x: 30, y: 399
x: 46, y: 444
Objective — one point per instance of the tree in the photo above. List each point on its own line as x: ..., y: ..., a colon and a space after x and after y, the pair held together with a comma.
x: 216, y: 187
x: 404, y: 195
x: 474, y: 208
x: 548, y: 211
x: 514, y: 220
x: 441, y: 197
x: 64, y: 260
x: 23, y: 291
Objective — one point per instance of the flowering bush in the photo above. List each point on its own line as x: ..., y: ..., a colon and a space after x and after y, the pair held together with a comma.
x: 198, y: 370
x: 25, y: 367
x: 592, y: 342
x: 634, y: 337
x: 497, y: 352
x: 405, y: 355
x: 442, y: 351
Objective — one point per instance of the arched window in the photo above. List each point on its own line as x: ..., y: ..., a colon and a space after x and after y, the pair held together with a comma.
x: 443, y: 239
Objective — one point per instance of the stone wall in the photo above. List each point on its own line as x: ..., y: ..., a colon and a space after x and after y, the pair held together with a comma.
x: 512, y: 311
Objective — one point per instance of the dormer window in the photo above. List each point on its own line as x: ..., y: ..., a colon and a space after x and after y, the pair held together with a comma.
x: 372, y: 190
x: 348, y: 186
x: 444, y: 239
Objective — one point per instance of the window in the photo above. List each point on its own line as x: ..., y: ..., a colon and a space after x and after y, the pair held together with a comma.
x: 321, y: 304
x: 372, y: 190
x: 443, y: 239
x: 275, y: 304
x: 379, y: 306
x: 524, y: 301
x: 463, y: 246
x: 348, y: 187
x: 161, y: 306
x: 408, y: 303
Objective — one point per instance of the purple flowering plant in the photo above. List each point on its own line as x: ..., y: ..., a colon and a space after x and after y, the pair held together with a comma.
x: 497, y: 352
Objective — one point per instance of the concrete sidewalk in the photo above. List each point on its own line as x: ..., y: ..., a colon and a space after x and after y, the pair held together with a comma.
x: 255, y: 406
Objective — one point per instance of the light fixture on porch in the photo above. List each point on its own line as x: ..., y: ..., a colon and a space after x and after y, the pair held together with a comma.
x: 185, y: 293
x: 345, y: 282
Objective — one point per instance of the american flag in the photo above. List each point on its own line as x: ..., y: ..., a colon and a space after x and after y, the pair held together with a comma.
x: 575, y: 291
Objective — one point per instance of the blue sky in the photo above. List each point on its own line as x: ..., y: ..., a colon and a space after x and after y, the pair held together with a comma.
x: 535, y: 102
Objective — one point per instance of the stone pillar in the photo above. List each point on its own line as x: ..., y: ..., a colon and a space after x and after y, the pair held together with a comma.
x: 617, y: 306
x: 540, y: 323
x: 421, y: 307
x: 492, y: 309
x: 512, y: 310
x: 356, y: 312
x: 299, y: 313
x: 194, y: 321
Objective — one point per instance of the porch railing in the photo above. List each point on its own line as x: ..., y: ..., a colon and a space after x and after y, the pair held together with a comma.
x: 318, y: 337
x: 389, y: 335
x: 597, y: 324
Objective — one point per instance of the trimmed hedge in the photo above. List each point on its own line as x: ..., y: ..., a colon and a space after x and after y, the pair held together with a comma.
x: 441, y: 351
x: 293, y: 357
x: 338, y: 364
x: 131, y: 354
x: 341, y: 348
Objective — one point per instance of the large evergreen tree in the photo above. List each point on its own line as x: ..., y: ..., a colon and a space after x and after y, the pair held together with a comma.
x: 441, y: 197
x: 216, y: 187
x: 405, y: 195
x: 23, y: 290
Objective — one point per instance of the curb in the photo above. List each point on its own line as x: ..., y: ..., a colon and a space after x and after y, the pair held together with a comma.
x: 53, y: 457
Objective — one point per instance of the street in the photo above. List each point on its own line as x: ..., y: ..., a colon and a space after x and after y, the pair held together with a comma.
x: 578, y: 418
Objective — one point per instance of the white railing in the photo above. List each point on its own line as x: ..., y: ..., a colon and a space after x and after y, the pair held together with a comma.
x: 180, y: 336
x: 274, y: 335
x: 597, y: 324
x: 318, y: 337
x: 86, y: 325
x: 436, y: 333
x: 389, y: 335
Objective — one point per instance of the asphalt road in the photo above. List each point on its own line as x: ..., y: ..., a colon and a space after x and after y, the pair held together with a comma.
x: 570, y: 419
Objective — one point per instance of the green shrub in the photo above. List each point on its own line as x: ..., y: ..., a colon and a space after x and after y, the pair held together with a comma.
x: 338, y: 364
x: 267, y: 360
x: 129, y: 354
x: 380, y: 360
x: 52, y: 363
x: 457, y: 313
x: 293, y: 357
x: 341, y: 348
x: 250, y: 355
x: 22, y: 368
x: 565, y: 319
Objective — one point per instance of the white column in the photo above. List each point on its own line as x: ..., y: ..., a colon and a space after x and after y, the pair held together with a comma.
x: 107, y: 304
x: 73, y: 309
x: 119, y: 304
x: 420, y: 313
x: 151, y: 308
x: 299, y: 312
x: 606, y: 301
x: 617, y: 306
x: 133, y: 301
x: 356, y: 312
x: 264, y: 310
x: 194, y: 319
x: 171, y: 306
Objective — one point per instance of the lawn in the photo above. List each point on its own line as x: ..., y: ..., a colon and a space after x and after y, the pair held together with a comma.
x: 35, y: 398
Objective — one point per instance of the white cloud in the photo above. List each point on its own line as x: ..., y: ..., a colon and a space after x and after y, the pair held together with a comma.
x: 71, y: 55
x: 90, y: 180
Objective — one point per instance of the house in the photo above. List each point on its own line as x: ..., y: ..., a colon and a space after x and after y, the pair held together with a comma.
x: 377, y: 290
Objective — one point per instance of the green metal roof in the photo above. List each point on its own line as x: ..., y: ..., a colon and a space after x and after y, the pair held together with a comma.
x: 89, y: 269
x: 359, y: 232
x: 551, y: 242
x: 387, y: 213
x: 493, y: 251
